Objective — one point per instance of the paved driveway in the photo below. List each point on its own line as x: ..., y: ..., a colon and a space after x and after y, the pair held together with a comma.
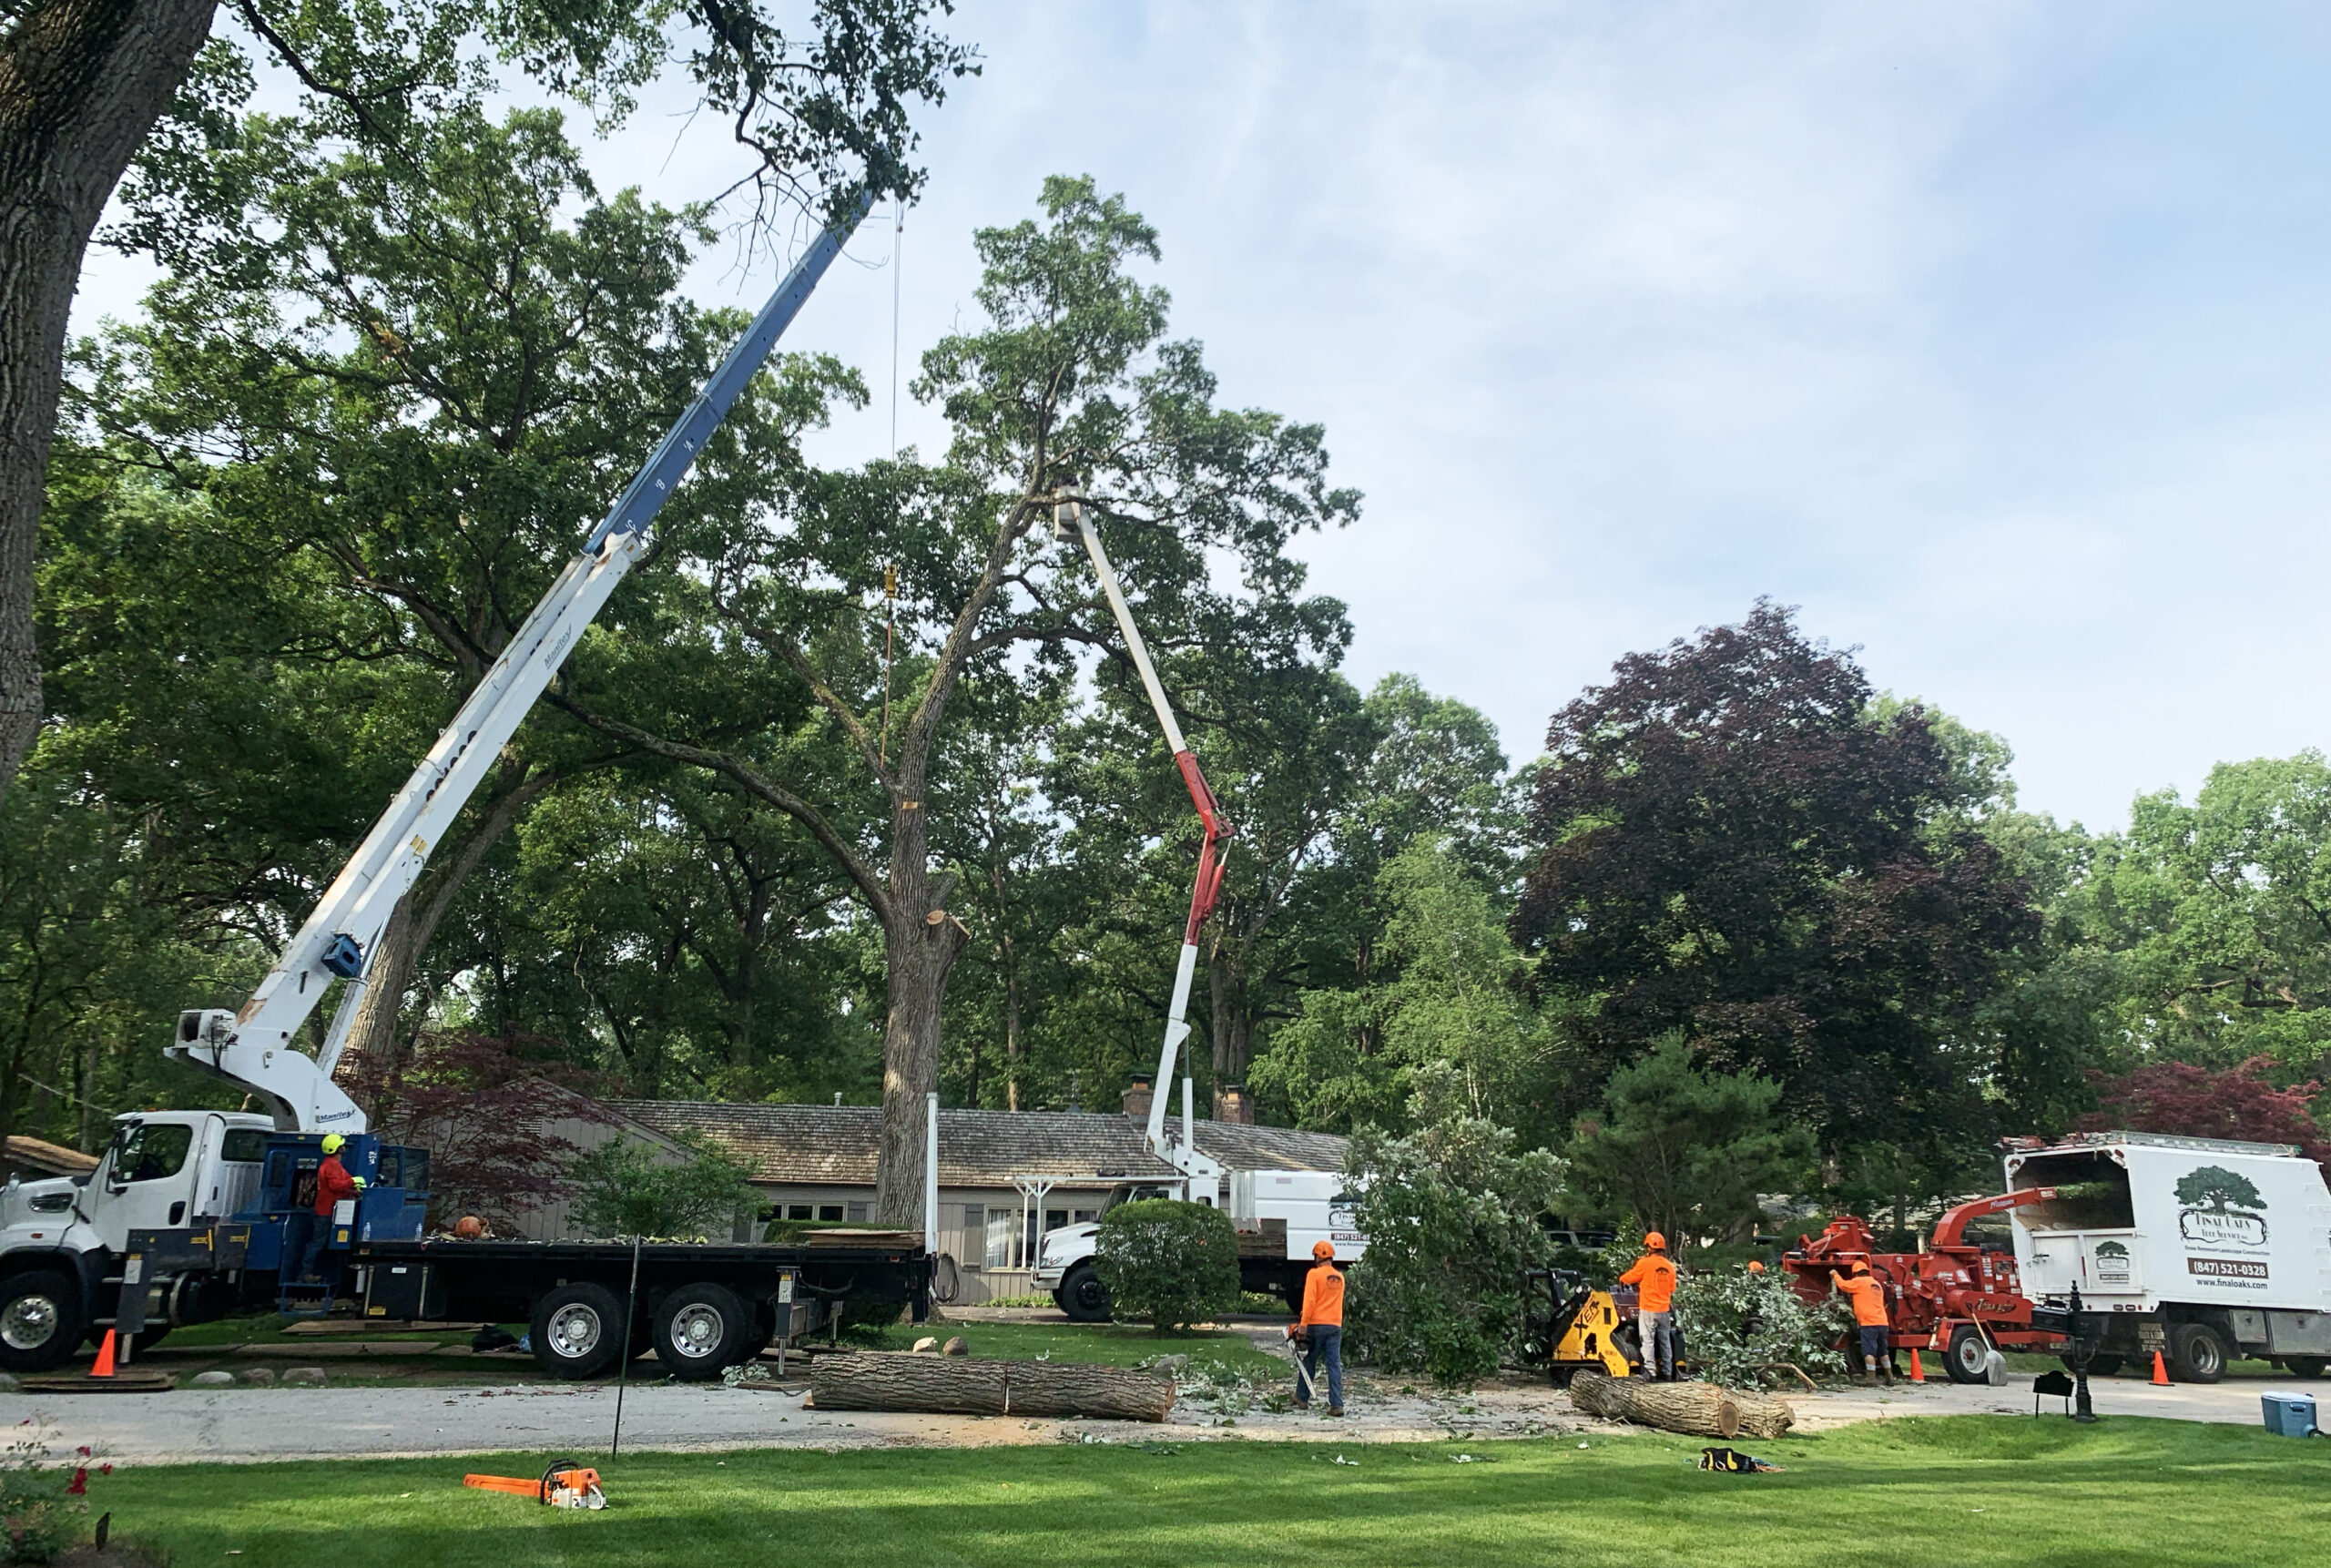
x: 240, y: 1425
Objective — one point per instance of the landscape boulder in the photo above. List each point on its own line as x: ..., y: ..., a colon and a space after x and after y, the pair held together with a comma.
x: 214, y: 1380
x: 304, y: 1378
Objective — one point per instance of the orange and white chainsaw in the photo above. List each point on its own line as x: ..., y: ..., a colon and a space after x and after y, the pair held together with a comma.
x: 565, y: 1484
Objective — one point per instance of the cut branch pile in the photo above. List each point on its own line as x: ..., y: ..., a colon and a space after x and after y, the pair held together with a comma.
x: 959, y: 1386
x: 1701, y: 1409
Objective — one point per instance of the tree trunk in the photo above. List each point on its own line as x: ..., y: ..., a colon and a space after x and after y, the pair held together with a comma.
x: 953, y: 1385
x: 920, y: 942
x: 1703, y: 1409
x: 1233, y: 1033
x: 377, y: 1036
x: 81, y: 84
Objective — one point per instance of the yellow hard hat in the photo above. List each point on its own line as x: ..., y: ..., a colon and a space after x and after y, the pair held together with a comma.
x: 334, y: 1143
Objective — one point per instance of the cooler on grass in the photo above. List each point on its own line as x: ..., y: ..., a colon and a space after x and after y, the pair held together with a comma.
x: 2288, y: 1415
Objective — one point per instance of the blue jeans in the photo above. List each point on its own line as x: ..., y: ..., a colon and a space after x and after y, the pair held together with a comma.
x: 1657, y: 1330
x: 304, y: 1237
x: 1326, y: 1341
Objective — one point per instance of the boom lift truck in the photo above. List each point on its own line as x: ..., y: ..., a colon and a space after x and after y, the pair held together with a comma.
x: 183, y: 1219
x: 1280, y: 1213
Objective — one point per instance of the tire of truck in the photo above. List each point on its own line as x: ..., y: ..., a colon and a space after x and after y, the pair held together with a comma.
x: 578, y: 1331
x: 1966, y: 1356
x: 1082, y: 1295
x: 703, y: 1328
x: 1293, y: 1296
x: 41, y: 1322
x: 2196, y: 1353
x: 2304, y: 1366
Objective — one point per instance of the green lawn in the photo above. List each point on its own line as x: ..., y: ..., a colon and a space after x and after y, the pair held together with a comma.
x: 1951, y: 1493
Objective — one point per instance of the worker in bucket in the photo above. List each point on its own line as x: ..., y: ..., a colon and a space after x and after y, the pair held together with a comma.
x: 1868, y: 1295
x: 1653, y: 1278
x: 332, y: 1184
x: 1321, y: 1329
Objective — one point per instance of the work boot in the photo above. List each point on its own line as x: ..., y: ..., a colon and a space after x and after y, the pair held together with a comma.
x: 1335, y: 1410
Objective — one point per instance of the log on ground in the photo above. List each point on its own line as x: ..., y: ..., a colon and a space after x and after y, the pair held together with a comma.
x: 953, y: 1385
x: 1703, y: 1409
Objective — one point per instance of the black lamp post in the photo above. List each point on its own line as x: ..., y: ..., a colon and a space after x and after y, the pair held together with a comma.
x: 2082, y: 1348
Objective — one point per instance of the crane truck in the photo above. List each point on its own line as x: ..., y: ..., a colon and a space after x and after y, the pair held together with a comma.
x: 183, y: 1219
x: 1278, y: 1214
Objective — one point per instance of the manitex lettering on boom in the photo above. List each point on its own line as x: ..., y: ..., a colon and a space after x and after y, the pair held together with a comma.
x: 2220, y: 1209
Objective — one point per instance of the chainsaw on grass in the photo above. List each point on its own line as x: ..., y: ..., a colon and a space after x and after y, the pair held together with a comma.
x: 565, y: 1484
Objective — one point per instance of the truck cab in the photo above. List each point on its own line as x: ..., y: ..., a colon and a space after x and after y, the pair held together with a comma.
x: 189, y: 1206
x: 1279, y: 1214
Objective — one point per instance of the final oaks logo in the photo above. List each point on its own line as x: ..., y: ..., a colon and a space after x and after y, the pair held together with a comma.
x: 2220, y: 1209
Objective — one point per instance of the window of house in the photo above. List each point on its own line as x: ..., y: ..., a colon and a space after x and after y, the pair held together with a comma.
x: 1085, y: 1217
x: 829, y: 1211
x: 1055, y: 1218
x: 797, y: 1211
x: 1001, y: 1224
x: 857, y: 1212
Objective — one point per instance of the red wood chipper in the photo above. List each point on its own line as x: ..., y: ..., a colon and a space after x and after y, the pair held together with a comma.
x: 1956, y: 1296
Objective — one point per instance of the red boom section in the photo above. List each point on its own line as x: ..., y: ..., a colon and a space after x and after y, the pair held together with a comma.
x: 1930, y: 1293
x: 1209, y: 884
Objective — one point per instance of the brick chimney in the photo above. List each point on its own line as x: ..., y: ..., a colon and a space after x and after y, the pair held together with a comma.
x: 1138, y: 1095
x: 1232, y: 1103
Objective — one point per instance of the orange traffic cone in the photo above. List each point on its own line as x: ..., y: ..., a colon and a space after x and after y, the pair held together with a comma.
x: 2160, y: 1371
x: 104, y: 1367
x: 1917, y: 1373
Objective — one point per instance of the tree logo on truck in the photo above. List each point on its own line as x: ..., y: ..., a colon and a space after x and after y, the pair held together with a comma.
x: 2113, y: 1263
x: 2220, y: 1208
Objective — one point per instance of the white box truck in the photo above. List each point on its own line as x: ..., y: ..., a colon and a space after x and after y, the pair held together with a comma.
x: 2201, y: 1248
x: 1278, y: 1216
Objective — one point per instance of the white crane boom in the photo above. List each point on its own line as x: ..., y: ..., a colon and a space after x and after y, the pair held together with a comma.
x: 1070, y: 525
x: 252, y: 1047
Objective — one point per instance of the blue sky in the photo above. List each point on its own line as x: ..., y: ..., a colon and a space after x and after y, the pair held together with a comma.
x: 1995, y: 336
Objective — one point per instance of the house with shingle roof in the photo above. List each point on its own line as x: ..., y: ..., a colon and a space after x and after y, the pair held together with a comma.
x: 1005, y: 1176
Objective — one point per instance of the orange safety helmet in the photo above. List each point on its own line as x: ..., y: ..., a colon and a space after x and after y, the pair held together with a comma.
x: 1861, y: 1268
x: 1655, y: 1242
x: 1754, y: 1266
x: 470, y: 1227
x: 1323, y: 1250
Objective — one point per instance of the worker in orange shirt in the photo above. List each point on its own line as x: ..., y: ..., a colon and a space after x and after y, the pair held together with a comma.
x: 1653, y: 1278
x: 1321, y: 1328
x: 1868, y: 1294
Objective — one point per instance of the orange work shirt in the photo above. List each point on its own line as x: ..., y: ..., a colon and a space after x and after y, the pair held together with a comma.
x: 1323, y: 1297
x: 1870, y: 1299
x: 1654, y: 1278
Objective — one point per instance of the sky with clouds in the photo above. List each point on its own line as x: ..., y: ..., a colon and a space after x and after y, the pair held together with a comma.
x: 1995, y: 336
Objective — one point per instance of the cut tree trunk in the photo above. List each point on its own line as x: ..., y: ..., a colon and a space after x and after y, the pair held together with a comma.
x: 81, y: 83
x: 920, y: 944
x: 1703, y: 1409
x: 952, y: 1385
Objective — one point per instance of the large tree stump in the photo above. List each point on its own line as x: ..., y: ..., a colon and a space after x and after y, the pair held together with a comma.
x: 1703, y: 1409
x: 952, y: 1385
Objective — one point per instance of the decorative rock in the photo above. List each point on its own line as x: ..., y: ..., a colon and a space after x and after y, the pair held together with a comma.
x: 955, y: 1347
x: 214, y: 1380
x: 925, y: 1345
x: 260, y: 1377
x: 304, y: 1378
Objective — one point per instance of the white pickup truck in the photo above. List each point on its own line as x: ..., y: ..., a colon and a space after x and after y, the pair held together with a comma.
x: 1278, y: 1216
x: 2201, y: 1248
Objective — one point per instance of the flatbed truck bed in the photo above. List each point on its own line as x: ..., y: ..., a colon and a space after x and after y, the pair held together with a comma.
x: 700, y: 1306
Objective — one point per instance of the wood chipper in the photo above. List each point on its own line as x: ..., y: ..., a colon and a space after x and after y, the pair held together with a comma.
x: 1956, y: 1296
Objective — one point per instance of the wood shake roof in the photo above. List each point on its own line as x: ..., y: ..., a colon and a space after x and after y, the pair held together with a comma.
x: 836, y: 1143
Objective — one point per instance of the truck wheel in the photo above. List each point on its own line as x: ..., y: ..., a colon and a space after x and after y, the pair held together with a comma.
x: 1082, y: 1295
x: 579, y: 1330
x: 702, y: 1327
x: 2197, y: 1352
x: 2304, y: 1366
x: 1967, y: 1356
x: 40, y: 1321
x: 2104, y: 1366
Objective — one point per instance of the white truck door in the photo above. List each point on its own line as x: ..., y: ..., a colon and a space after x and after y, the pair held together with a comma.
x: 146, y: 1180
